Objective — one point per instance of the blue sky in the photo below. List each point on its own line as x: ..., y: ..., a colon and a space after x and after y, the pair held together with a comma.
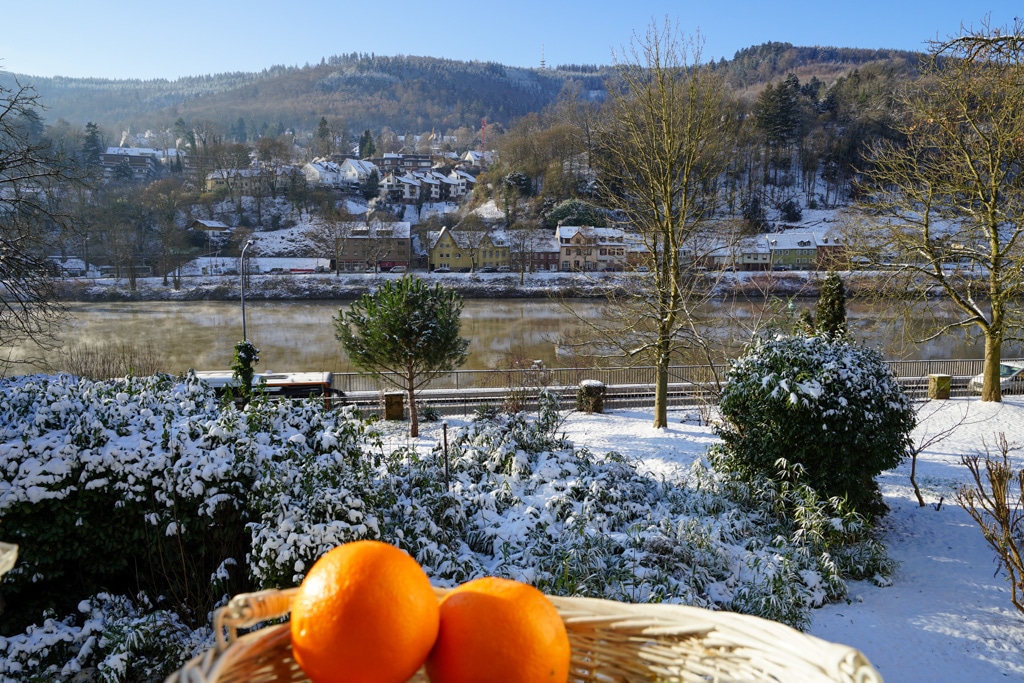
x: 145, y: 39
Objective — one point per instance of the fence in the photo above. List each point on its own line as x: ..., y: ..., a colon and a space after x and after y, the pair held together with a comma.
x: 466, y: 391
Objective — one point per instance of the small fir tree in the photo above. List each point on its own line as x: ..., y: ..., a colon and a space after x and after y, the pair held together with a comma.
x: 831, y: 310
x: 92, y: 148
x: 404, y: 334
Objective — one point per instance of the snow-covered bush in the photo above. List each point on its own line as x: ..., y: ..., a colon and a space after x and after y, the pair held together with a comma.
x: 119, y: 485
x: 823, y: 409
x: 117, y: 640
x: 117, y: 477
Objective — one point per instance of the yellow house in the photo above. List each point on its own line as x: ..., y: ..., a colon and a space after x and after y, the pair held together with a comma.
x: 464, y: 252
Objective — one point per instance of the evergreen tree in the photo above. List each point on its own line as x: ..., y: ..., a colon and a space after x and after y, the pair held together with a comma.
x: 831, y: 310
x: 404, y: 333
x: 92, y: 148
x: 367, y: 147
x: 238, y: 131
x: 324, y: 144
x: 371, y: 186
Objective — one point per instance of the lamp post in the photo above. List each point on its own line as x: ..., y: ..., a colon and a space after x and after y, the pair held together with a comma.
x: 241, y: 270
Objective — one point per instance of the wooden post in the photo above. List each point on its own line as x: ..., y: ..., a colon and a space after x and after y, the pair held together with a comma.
x: 394, y: 405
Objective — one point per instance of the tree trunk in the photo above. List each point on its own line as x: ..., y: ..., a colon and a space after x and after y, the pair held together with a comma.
x: 661, y: 391
x: 990, y: 390
x: 414, y: 420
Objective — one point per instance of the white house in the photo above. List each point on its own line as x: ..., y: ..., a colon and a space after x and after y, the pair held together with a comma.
x: 356, y: 171
x: 320, y: 171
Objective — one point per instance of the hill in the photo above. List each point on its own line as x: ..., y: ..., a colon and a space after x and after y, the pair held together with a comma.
x: 405, y: 93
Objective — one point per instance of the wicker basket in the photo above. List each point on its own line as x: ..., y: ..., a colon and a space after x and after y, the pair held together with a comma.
x: 611, y: 642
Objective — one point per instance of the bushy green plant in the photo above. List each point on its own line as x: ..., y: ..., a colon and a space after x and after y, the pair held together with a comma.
x: 117, y: 641
x: 830, y: 409
x: 575, y: 212
x: 107, y: 488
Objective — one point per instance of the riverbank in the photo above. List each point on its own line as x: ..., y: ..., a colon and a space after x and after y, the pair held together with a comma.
x: 327, y: 286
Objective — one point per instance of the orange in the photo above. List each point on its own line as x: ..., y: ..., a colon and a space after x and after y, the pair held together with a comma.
x: 365, y: 613
x: 499, y: 631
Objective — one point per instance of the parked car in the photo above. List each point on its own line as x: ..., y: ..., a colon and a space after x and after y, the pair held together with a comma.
x: 487, y: 269
x: 1011, y: 379
x: 397, y: 269
x: 442, y: 269
x: 503, y: 269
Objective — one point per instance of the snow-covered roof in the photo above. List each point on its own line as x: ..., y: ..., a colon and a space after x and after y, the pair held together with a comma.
x: 359, y: 166
x: 205, y: 224
x: 136, y: 151
x: 600, y: 235
x: 397, y: 230
x: 792, y: 240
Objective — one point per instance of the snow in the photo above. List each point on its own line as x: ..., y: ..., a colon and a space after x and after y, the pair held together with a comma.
x: 947, y: 615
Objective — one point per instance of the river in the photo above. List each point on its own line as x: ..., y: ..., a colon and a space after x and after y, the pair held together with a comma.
x: 299, y: 336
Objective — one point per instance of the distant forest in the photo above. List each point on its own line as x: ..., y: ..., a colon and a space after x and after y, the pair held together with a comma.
x: 404, y: 93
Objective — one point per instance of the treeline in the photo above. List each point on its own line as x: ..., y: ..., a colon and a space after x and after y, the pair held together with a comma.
x: 405, y: 93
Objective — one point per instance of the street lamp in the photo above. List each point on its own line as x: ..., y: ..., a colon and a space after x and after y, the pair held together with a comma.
x: 242, y: 288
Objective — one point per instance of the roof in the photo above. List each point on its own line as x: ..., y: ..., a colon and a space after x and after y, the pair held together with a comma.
x: 360, y: 165
x: 792, y: 240
x: 601, y: 235
x: 210, y: 225
x: 463, y: 240
x: 399, y: 229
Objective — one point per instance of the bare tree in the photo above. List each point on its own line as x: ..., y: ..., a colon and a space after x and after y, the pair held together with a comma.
x: 33, y: 178
x: 331, y: 234
x: 163, y: 201
x: 927, y: 439
x: 953, y: 193
x: 662, y: 149
x: 995, y: 501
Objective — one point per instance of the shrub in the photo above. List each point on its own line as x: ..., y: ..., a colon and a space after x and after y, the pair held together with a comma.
x: 575, y: 212
x: 790, y: 211
x: 830, y: 409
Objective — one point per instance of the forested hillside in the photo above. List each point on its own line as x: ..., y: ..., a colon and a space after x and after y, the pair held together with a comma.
x: 404, y: 93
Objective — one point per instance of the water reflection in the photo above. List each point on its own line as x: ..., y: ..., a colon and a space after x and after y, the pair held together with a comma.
x: 298, y: 336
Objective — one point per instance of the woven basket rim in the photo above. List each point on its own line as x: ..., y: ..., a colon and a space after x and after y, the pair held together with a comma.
x: 639, y: 641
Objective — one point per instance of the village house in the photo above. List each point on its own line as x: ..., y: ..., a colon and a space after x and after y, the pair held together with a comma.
x: 244, y: 182
x: 355, y: 172
x: 467, y: 251
x: 400, y: 189
x: 590, y: 249
x: 322, y: 172
x: 793, y: 251
x: 402, y: 164
x: 533, y: 251
x: 749, y: 253
x: 375, y: 246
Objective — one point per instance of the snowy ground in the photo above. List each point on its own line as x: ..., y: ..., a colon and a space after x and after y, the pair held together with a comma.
x: 947, y: 616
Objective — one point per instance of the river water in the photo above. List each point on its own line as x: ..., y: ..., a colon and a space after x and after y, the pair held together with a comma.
x: 299, y: 335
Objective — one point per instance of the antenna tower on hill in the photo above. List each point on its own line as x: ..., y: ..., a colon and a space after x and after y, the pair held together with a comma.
x: 542, y: 65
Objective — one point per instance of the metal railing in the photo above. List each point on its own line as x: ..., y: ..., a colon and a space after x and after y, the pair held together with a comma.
x: 466, y: 391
